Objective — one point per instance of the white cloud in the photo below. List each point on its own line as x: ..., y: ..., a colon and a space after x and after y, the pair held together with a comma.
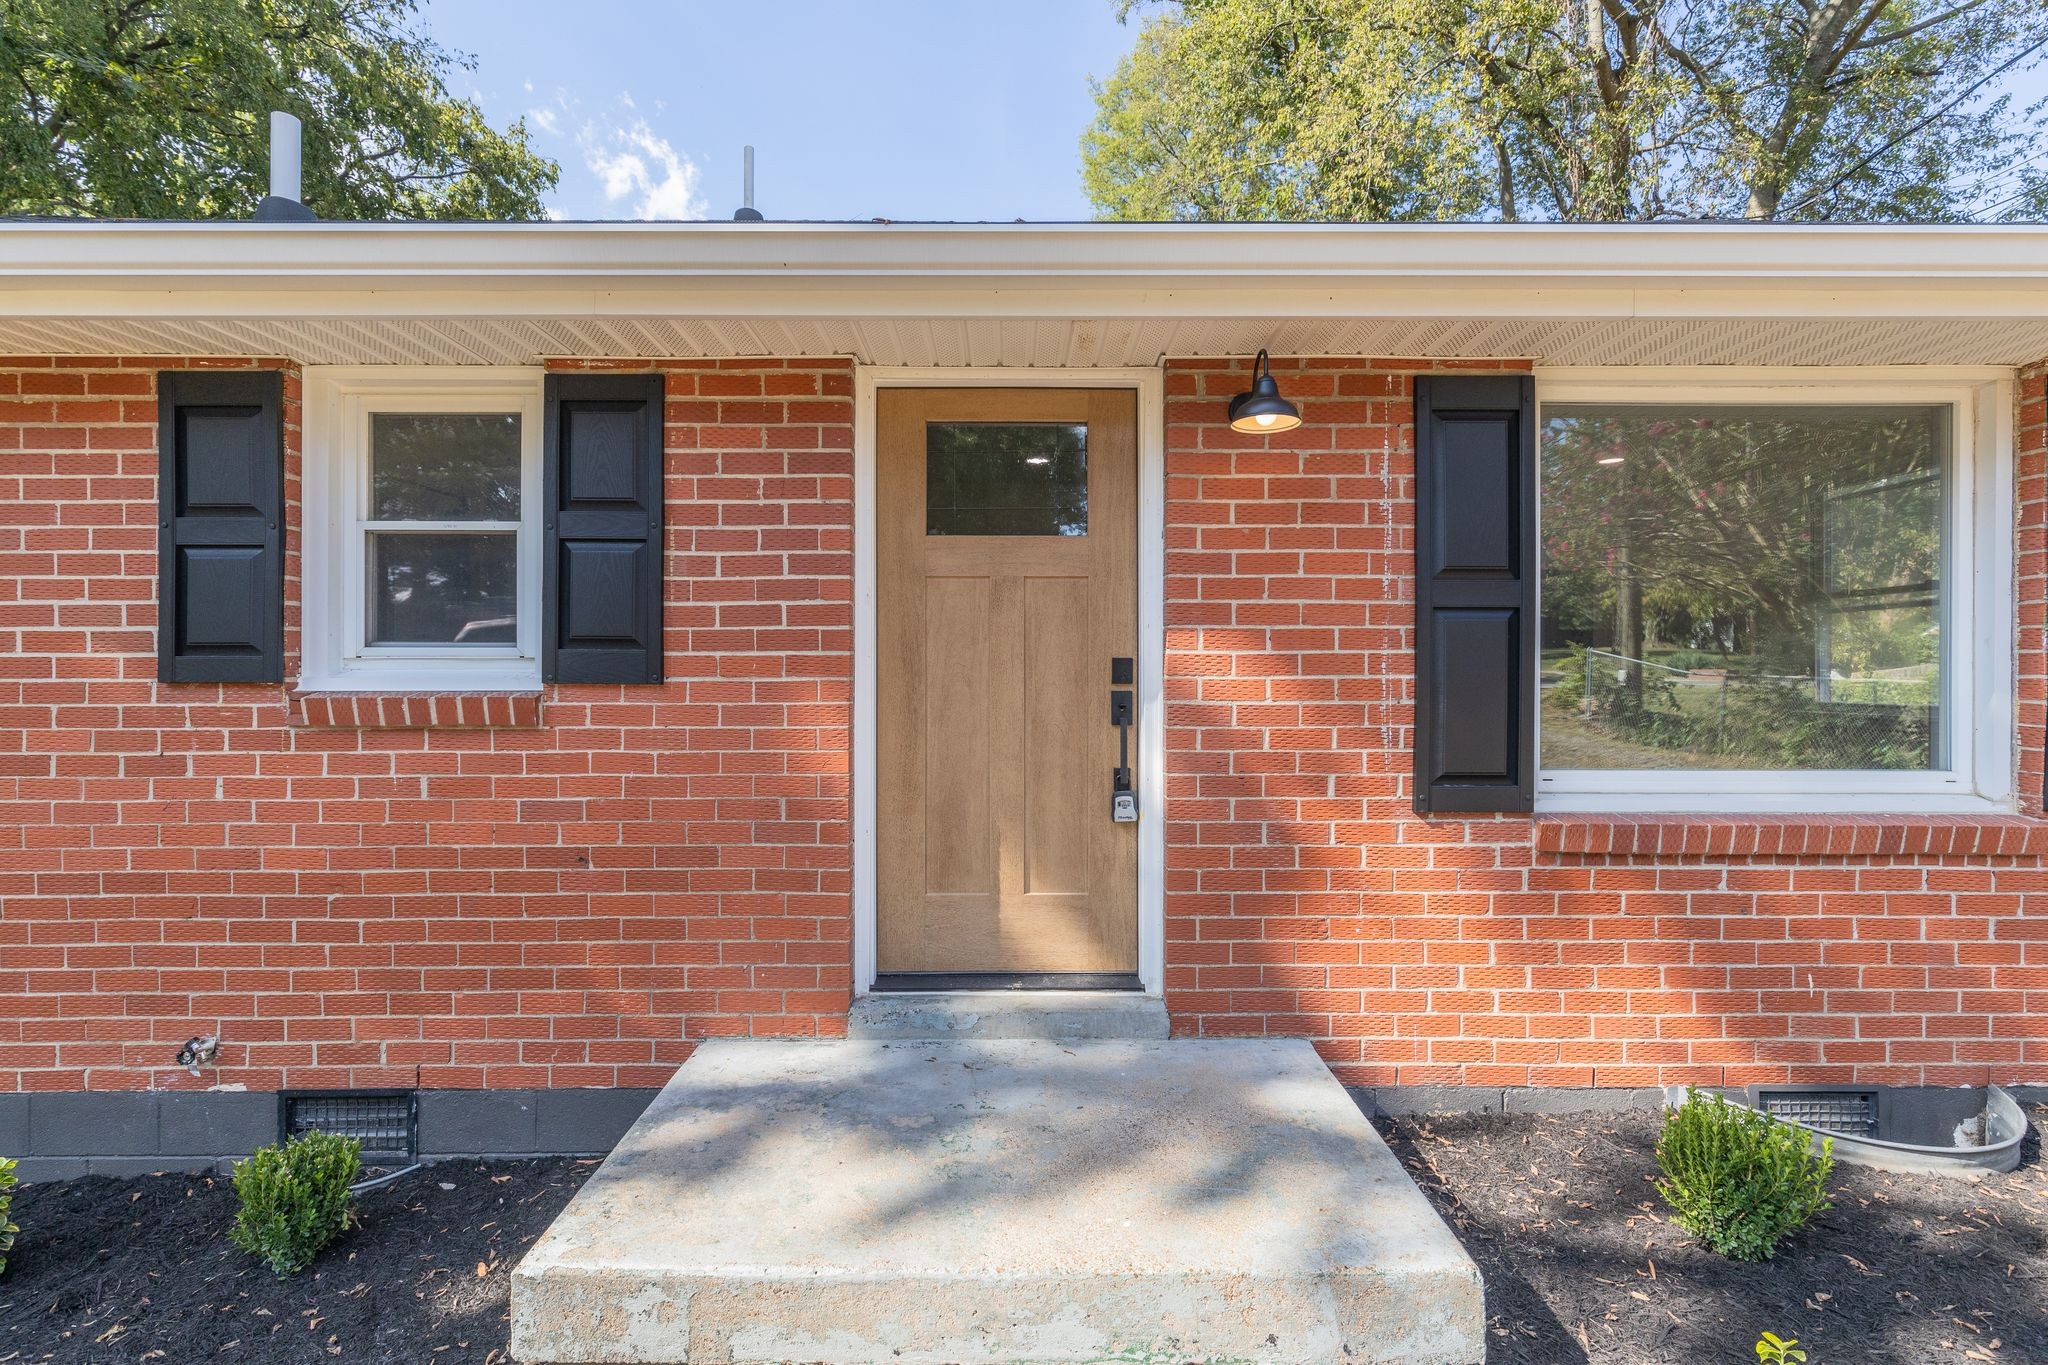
x: 544, y: 119
x: 633, y: 161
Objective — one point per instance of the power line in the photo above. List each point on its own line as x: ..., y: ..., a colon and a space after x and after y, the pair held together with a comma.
x: 1978, y: 214
x: 1940, y: 113
x: 2005, y: 179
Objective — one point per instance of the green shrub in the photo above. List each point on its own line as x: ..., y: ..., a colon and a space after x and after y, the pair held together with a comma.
x: 1772, y: 1349
x: 1568, y: 693
x: 1693, y: 658
x: 1738, y: 1179
x: 295, y: 1199
x: 7, y: 1228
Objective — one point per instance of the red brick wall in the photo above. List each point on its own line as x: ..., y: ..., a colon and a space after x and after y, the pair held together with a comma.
x: 1305, y: 897
x: 569, y: 894
x: 2030, y: 575
x: 567, y: 903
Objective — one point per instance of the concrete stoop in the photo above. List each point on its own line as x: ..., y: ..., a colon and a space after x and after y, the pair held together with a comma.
x: 971, y: 1202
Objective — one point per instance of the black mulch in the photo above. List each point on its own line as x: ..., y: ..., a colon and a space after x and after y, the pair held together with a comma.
x: 138, y: 1270
x: 1582, y: 1264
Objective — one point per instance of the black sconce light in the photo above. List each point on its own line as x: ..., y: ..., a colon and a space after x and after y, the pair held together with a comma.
x: 1262, y: 411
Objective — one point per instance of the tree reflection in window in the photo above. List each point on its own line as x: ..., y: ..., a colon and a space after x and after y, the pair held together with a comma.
x: 1753, y: 586
x: 444, y: 466
x: 443, y: 589
x: 1006, y: 479
x: 442, y: 529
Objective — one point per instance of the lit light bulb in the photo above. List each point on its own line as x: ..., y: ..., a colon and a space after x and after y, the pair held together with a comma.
x: 1266, y: 419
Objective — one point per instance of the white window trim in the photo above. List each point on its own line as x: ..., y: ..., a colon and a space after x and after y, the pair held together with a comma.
x: 334, y: 656
x: 1977, y: 598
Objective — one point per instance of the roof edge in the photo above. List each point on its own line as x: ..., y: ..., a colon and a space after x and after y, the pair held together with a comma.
x: 1667, y: 254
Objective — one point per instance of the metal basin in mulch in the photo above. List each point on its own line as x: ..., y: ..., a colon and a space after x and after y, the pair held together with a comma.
x: 1932, y: 1130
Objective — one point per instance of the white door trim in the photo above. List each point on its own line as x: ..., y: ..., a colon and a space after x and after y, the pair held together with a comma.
x: 1150, y: 387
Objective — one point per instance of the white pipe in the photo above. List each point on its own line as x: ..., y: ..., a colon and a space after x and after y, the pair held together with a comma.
x: 284, y: 156
x: 747, y: 196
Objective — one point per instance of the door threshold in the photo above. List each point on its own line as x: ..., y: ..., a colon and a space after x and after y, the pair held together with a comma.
x: 889, y: 982
x: 1016, y: 1015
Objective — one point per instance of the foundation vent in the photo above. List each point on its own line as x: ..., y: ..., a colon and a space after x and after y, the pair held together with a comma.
x: 386, y: 1122
x: 1839, y: 1109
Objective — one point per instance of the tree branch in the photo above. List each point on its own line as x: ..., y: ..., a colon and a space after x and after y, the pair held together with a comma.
x: 1866, y: 44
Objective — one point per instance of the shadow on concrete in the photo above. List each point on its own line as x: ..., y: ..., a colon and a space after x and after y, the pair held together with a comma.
x: 1009, y: 1200
x: 926, y: 1136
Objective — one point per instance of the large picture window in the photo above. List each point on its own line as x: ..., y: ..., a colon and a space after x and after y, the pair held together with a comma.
x: 1755, y: 594
x: 422, y: 546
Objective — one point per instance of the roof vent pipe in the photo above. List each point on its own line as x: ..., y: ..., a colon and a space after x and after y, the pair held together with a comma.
x: 747, y: 213
x: 282, y: 204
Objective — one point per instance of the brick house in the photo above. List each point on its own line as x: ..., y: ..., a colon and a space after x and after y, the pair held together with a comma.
x: 485, y: 661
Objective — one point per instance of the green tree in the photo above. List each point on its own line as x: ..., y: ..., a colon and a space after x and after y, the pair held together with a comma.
x: 1602, y: 110
x: 157, y: 109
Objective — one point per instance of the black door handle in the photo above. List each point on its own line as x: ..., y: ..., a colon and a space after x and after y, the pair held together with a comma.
x: 1123, y: 796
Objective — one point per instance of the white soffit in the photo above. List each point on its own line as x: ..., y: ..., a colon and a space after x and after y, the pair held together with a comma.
x: 1028, y: 294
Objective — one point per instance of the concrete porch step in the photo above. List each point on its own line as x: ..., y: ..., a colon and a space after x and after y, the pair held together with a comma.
x: 965, y: 1203
x: 938, y: 1016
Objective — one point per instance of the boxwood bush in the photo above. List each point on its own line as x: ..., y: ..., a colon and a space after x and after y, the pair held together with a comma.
x: 7, y: 1227
x: 295, y: 1199
x: 1738, y: 1179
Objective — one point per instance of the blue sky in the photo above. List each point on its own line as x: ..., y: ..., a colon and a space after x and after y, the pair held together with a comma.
x: 904, y: 109
x: 907, y: 109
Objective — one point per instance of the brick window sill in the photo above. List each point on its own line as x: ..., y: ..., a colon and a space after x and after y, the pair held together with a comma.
x: 416, y: 710
x: 2003, y: 836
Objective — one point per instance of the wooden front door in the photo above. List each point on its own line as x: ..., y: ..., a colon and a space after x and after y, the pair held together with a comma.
x: 1006, y: 577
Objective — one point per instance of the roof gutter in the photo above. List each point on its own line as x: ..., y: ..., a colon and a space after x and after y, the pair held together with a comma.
x: 552, y: 254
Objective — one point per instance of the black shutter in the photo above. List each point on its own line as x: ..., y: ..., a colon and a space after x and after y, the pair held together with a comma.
x: 1475, y: 593
x: 602, y: 529
x: 220, y: 520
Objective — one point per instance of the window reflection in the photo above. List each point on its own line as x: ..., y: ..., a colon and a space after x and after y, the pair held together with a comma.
x: 430, y: 588
x: 1742, y: 587
x: 436, y: 466
x: 1006, y: 479
x: 429, y: 584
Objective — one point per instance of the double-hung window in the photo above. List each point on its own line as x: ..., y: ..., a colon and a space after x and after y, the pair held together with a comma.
x: 422, y: 567
x: 1773, y: 594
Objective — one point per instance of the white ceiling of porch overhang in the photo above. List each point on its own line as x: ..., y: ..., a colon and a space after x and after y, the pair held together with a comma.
x: 1079, y: 342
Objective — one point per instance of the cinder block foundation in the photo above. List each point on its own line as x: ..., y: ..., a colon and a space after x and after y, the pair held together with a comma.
x: 64, y: 1134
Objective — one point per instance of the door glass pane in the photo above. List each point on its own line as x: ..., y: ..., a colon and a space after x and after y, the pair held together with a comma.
x: 443, y: 588
x: 444, y: 466
x: 1006, y: 479
x: 1743, y: 587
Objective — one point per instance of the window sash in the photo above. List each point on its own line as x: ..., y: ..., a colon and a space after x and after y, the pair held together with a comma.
x: 337, y: 654
x: 444, y: 528
x: 416, y: 649
x: 1976, y: 649
x: 357, y: 645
